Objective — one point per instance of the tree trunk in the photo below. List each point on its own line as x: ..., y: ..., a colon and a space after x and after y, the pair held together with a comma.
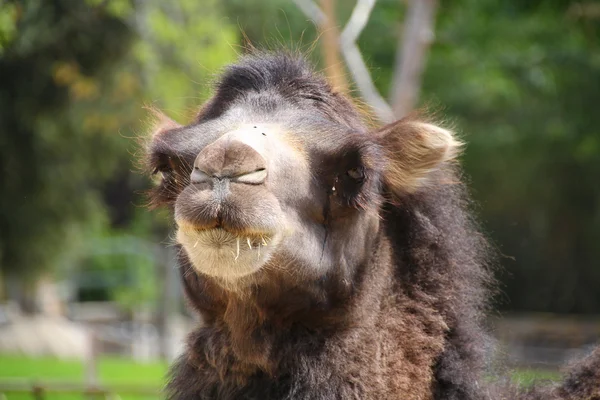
x: 23, y: 294
x: 330, y: 48
x: 411, y: 55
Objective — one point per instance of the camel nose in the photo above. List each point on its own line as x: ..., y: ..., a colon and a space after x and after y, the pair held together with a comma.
x: 229, y: 158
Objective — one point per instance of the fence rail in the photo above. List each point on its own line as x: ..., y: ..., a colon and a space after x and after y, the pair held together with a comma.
x: 38, y: 389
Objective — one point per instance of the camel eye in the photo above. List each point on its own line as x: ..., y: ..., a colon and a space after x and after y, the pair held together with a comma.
x: 164, y: 170
x: 160, y: 175
x: 166, y: 175
x: 357, y: 174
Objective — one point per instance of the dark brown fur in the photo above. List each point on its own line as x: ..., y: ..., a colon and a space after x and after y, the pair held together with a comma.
x: 404, y: 323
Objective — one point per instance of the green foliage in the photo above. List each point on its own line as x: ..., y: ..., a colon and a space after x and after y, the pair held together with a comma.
x: 80, y: 73
x: 179, y: 55
x: 8, y: 28
x: 271, y: 24
x: 523, y: 85
x: 45, y: 160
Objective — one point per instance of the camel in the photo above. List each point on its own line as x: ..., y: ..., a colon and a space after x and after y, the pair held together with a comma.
x: 328, y: 258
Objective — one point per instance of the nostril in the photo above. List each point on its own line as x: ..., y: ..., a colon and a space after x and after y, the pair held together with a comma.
x: 253, y: 178
x: 198, y: 176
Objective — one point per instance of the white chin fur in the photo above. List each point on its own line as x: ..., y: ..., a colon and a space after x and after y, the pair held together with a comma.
x: 222, y: 254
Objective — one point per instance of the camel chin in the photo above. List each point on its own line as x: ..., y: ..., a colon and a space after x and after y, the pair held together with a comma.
x: 222, y: 254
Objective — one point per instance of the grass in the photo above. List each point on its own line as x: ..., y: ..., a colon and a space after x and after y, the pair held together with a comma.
x: 528, y: 377
x: 119, y: 371
x: 111, y: 372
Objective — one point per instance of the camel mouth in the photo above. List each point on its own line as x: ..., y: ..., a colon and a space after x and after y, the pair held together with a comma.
x: 221, y: 237
x: 224, y: 253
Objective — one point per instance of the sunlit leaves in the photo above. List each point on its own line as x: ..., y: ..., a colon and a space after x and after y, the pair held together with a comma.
x: 8, y: 24
x: 179, y: 53
x: 80, y: 73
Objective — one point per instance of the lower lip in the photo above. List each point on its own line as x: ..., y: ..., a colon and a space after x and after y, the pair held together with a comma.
x: 220, y: 236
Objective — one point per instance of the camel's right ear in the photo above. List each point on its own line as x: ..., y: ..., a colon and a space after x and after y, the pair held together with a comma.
x: 414, y: 150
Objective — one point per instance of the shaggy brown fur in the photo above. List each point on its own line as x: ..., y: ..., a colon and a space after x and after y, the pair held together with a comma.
x: 399, y: 319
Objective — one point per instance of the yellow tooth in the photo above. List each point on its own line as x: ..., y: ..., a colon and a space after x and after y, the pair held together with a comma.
x: 238, y: 249
x: 196, y: 244
x: 249, y: 244
x: 264, y: 241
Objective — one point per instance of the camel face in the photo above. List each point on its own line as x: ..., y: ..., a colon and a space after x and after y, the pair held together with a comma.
x: 270, y: 189
x: 278, y: 175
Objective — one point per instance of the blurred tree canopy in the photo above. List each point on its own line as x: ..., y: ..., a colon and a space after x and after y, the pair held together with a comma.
x: 52, y: 57
x: 520, y: 81
x: 75, y: 77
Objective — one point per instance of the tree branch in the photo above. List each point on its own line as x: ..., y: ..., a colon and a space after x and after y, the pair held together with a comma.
x: 358, y: 20
x: 365, y: 84
x: 311, y: 10
x: 352, y: 54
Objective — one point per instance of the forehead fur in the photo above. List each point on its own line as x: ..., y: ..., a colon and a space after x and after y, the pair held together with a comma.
x: 271, y: 81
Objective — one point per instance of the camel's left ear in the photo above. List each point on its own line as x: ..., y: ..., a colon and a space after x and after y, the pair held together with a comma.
x: 160, y: 122
x: 414, y: 150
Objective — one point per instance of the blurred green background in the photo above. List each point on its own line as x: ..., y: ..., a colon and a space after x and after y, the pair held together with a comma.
x: 519, y: 80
